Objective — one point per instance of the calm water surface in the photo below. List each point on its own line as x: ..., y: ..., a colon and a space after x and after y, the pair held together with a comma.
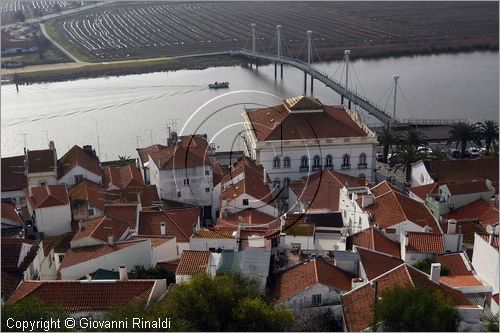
x: 135, y: 110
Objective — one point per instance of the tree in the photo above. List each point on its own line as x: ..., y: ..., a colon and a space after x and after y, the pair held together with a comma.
x: 463, y: 133
x: 156, y: 272
x: 123, y: 160
x: 415, y: 309
x: 488, y: 131
x: 425, y: 266
x: 226, y: 302
x: 19, y: 16
x: 387, y: 138
x: 492, y: 324
x: 414, y: 138
x: 439, y: 153
x: 32, y: 309
x: 403, y: 159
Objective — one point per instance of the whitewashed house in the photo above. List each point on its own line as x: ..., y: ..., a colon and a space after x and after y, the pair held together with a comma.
x: 295, y: 233
x: 196, y: 262
x: 486, y: 259
x: 302, y: 135
x: 98, y: 232
x: 50, y: 209
x: 13, y: 179
x: 78, y: 164
x: 87, y: 200
x: 212, y: 240
x: 164, y: 248
x: 41, y: 166
x: 144, y: 159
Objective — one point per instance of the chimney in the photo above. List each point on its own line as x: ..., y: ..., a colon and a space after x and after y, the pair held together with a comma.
x: 490, y: 237
x: 80, y: 225
x: 163, y: 230
x: 111, y: 240
x: 264, y: 175
x: 452, y: 227
x: 366, y: 200
x: 123, y: 273
x: 435, y: 272
x: 52, y: 146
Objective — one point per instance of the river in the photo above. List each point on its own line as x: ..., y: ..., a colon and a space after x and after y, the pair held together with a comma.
x: 136, y: 110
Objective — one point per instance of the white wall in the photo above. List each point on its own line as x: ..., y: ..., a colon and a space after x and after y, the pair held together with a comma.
x: 47, y: 265
x: 419, y: 175
x: 306, y: 242
x: 17, y: 197
x: 69, y: 178
x: 34, y: 179
x: 236, y: 205
x: 137, y: 254
x: 353, y: 216
x: 485, y: 260
x: 304, y: 299
x: 165, y: 252
x: 216, y: 201
x: 203, y: 244
x: 53, y: 221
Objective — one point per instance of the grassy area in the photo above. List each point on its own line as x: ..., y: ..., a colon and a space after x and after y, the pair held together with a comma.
x: 50, y: 55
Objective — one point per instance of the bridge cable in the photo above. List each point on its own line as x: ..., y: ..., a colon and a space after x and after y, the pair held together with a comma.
x: 286, y: 44
x: 357, y: 78
x: 338, y: 67
x: 389, y: 86
x: 404, y: 99
x: 319, y: 58
x: 272, y: 42
x: 298, y: 54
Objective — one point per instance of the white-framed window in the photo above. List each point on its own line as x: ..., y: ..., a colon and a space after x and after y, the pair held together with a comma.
x: 329, y: 161
x: 91, y: 212
x: 362, y: 158
x: 78, y: 178
x: 42, y: 183
x: 316, y: 299
x: 346, y: 160
x: 286, y: 162
x: 207, y: 189
x: 276, y: 163
x: 186, y: 181
x: 304, y: 162
x: 245, y: 202
x: 316, y: 161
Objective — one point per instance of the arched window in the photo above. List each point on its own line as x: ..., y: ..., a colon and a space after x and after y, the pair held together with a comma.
x: 329, y: 161
x: 304, y: 163
x: 286, y: 162
x: 362, y: 161
x: 316, y: 162
x: 276, y: 163
x: 286, y: 182
x: 346, y: 161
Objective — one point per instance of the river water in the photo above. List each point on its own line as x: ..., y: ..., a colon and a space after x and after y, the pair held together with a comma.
x: 118, y: 114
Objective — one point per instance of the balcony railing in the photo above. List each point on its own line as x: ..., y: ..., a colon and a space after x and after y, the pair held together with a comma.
x: 304, y: 168
x: 316, y: 167
x: 362, y: 165
x: 345, y: 166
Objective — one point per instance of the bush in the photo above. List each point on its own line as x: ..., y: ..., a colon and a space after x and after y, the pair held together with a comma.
x: 425, y: 266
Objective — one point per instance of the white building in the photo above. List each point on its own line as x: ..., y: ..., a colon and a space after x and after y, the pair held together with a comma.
x: 302, y: 135
x: 212, y: 240
x: 41, y: 166
x: 486, y: 259
x: 13, y: 179
x: 50, y: 209
x: 78, y: 164
x: 196, y: 262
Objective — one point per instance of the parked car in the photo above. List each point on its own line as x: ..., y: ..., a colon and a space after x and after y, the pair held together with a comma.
x: 380, y: 157
x: 474, y: 152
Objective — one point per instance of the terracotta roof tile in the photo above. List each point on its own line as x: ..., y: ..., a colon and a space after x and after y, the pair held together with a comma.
x: 170, y: 266
x: 480, y: 209
x: 467, y: 228
x: 467, y: 187
x: 302, y: 276
x: 155, y: 240
x: 77, y: 156
x: 424, y: 190
x: 10, y: 281
x: 321, y: 190
x: 382, y: 188
x: 460, y: 275
x: 278, y: 123
x: 13, y: 177
x: 77, y: 296
x: 179, y: 222
x: 247, y: 216
x: 123, y: 177
x: 205, y: 233
x: 193, y: 262
x: 425, y: 242
x: 99, y: 228
x: 41, y: 161
x: 357, y: 305
x: 191, y: 151
x: 145, y: 152
x: 88, y: 191
x: 80, y: 255
x: 122, y: 212
x: 47, y: 196
x: 494, y: 240
x: 9, y: 213
x: 373, y: 239
x: 376, y: 263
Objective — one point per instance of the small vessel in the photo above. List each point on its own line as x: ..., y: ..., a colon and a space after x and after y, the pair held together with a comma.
x: 217, y: 85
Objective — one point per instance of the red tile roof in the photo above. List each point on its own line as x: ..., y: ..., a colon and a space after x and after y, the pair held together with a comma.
x: 494, y: 240
x: 10, y: 281
x: 13, y: 177
x: 88, y: 191
x: 191, y: 151
x: 77, y: 296
x: 41, y: 161
x: 392, y: 208
x: 376, y: 263
x: 123, y: 212
x: 219, y: 171
x: 9, y: 213
x: 357, y: 305
x: 460, y: 275
x: 496, y: 298
x: 179, y: 222
x: 47, y: 196
x: 205, y: 233
x: 80, y: 255
x: 424, y: 190
x: 77, y: 156
x: 425, y: 242
x: 467, y: 187
x: 280, y: 123
x: 374, y: 239
x: 481, y: 210
x: 305, y: 275
x: 155, y: 240
x: 193, y: 262
x: 99, y: 228
x: 382, y: 188
x: 123, y: 177
x: 467, y: 228
x: 321, y: 190
x: 170, y: 266
x: 12, y: 256
x: 247, y: 216
x: 145, y: 152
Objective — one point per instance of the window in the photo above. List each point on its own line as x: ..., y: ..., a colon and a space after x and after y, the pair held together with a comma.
x: 178, y: 194
x: 42, y: 183
x: 61, y: 257
x: 207, y: 172
x: 186, y: 181
x: 286, y: 162
x: 316, y: 299
x: 304, y: 163
x: 346, y: 163
x: 91, y: 212
x: 329, y: 161
x: 78, y: 178
x: 245, y: 202
x: 362, y: 161
x: 207, y: 189
x: 276, y: 163
x: 316, y: 162
x: 362, y: 176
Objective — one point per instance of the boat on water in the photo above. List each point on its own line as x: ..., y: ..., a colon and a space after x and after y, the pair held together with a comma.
x: 217, y: 85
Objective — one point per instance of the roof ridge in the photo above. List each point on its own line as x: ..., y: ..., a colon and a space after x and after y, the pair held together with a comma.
x: 174, y: 223
x: 377, y: 278
x: 316, y: 270
x: 378, y: 252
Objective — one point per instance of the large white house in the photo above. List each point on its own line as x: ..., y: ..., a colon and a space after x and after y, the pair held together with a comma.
x: 302, y: 135
x: 78, y: 164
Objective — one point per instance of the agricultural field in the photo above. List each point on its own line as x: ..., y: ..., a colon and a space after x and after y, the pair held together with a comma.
x: 9, y: 8
x: 139, y: 30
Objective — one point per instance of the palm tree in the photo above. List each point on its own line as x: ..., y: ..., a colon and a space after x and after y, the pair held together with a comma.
x: 403, y: 159
x: 387, y: 138
x: 123, y: 160
x: 414, y: 138
x: 463, y: 133
x: 439, y: 153
x: 488, y: 131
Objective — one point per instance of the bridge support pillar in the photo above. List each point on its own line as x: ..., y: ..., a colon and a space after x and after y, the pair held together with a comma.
x: 281, y: 65
x: 305, y: 83
x: 312, y: 85
x: 341, y: 99
x: 275, y: 70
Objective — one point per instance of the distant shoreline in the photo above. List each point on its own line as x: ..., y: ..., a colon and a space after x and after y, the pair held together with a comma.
x: 96, y: 70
